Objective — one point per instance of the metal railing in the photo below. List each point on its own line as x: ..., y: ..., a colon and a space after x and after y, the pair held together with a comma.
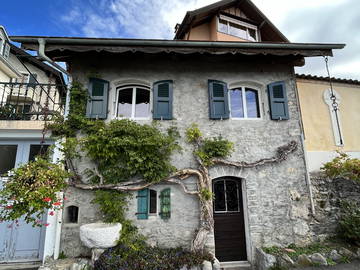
x: 24, y: 101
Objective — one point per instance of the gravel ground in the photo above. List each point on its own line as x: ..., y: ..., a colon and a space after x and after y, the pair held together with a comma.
x: 355, y: 265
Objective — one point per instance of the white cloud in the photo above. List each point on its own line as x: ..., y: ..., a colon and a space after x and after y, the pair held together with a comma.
x: 299, y: 20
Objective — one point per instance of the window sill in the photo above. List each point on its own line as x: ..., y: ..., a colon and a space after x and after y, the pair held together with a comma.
x: 134, y: 119
x: 245, y: 119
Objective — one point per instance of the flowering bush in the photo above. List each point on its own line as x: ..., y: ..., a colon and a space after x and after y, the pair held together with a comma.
x: 149, y: 258
x: 31, y: 191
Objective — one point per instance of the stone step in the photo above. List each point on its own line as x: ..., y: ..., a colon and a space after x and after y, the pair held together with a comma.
x: 235, y: 266
x: 20, y: 266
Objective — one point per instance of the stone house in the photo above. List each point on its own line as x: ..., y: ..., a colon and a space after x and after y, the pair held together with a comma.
x: 231, y: 71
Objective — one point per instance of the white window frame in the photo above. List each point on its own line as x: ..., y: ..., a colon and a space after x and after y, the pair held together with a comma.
x: 119, y: 89
x: 243, y: 93
x: 240, y: 23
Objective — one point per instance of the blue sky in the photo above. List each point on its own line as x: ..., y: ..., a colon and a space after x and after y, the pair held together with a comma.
x: 300, y: 20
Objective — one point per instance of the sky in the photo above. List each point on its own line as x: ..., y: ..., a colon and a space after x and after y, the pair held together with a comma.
x: 312, y: 21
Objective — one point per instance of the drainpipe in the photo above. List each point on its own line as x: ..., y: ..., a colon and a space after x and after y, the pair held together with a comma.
x: 41, y: 53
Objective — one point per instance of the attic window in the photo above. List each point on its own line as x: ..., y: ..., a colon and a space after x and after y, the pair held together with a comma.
x: 238, y: 28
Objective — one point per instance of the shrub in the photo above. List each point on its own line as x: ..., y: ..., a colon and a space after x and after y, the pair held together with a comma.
x: 349, y: 224
x: 343, y: 166
x: 149, y: 258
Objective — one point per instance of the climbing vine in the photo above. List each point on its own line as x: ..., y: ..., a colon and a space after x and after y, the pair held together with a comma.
x: 127, y: 156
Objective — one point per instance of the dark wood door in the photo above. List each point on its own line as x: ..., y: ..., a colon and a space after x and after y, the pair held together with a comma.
x: 230, y: 242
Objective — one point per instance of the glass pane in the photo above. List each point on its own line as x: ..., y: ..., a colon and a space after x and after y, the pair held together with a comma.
x: 219, y: 191
x: 232, y: 198
x: 152, y: 208
x: 142, y: 107
x: 98, y: 89
x: 252, y: 34
x: 125, y: 103
x: 35, y: 150
x: 252, y: 103
x: 237, y: 30
x: 7, y: 158
x: 236, y: 100
x: 223, y: 26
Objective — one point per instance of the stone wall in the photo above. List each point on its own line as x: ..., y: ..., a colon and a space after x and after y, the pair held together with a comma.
x: 327, y: 196
x: 275, y: 196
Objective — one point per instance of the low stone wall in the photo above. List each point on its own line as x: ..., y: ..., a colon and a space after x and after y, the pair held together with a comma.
x: 328, y: 193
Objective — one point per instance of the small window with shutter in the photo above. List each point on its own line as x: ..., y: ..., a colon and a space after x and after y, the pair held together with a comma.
x: 97, y: 105
x: 278, y: 101
x: 218, y: 100
x: 163, y: 97
x: 165, y: 203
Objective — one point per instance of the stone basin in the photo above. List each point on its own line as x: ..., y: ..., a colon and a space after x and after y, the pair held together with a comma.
x: 100, y: 235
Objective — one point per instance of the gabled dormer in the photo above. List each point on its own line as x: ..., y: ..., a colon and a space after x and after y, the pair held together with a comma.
x: 228, y: 20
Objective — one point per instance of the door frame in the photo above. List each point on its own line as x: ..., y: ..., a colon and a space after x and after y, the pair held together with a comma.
x: 248, y: 243
x: 23, y: 150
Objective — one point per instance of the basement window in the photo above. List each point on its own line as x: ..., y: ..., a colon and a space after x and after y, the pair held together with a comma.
x: 72, y: 214
x: 238, y: 28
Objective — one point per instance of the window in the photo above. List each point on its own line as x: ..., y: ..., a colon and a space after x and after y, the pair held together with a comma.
x: 133, y: 102
x: 72, y: 214
x: 237, y: 28
x: 227, y: 196
x: 7, y: 157
x: 36, y: 150
x: 147, y: 203
x: 244, y: 103
x: 152, y: 202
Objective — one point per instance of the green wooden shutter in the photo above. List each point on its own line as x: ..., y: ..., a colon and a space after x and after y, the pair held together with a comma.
x: 278, y: 101
x: 162, y: 100
x: 218, y: 100
x: 165, y: 203
x: 142, y: 204
x: 97, y: 106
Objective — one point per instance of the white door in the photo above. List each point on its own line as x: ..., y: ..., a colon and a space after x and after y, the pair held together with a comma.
x: 20, y: 242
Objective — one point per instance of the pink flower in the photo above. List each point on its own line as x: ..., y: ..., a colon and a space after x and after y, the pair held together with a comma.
x: 47, y: 199
x: 46, y: 224
x: 65, y: 198
x: 52, y: 213
x: 57, y: 203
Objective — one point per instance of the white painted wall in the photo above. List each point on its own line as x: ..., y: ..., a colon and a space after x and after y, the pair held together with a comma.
x: 318, y: 158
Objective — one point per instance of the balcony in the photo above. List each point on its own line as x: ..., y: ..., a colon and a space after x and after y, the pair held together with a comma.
x: 31, y: 102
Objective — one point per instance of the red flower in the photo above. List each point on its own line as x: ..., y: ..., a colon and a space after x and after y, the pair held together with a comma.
x: 46, y: 224
x: 65, y: 198
x: 47, y: 199
x: 57, y: 203
x: 8, y: 206
x: 52, y: 213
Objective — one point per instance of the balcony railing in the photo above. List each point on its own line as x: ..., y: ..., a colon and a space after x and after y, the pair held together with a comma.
x: 24, y: 101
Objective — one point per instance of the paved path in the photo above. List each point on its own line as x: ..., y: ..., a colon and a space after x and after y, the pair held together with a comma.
x: 349, y: 266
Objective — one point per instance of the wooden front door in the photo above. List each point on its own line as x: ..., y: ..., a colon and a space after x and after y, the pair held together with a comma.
x: 230, y: 242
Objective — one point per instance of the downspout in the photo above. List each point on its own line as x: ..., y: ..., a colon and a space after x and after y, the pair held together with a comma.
x: 302, y: 139
x: 41, y: 53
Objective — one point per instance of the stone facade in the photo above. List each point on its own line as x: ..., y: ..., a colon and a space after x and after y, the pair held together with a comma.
x: 327, y: 196
x: 273, y: 214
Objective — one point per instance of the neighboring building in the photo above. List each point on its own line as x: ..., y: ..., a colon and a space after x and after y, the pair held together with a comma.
x: 327, y: 131
x: 29, y: 91
x: 245, y: 91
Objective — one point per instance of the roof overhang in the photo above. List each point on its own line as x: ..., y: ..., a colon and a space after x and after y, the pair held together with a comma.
x: 9, y: 70
x: 61, y: 47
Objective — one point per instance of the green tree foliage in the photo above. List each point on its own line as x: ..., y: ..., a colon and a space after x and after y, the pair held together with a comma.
x: 343, y: 166
x: 31, y: 190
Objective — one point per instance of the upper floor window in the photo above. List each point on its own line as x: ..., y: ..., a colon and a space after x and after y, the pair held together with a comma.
x: 238, y: 28
x: 133, y: 102
x: 244, y: 103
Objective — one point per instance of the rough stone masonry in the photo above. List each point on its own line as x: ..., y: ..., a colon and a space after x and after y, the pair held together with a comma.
x: 276, y: 199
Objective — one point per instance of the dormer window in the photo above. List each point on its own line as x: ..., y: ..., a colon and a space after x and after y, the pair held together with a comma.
x: 237, y: 28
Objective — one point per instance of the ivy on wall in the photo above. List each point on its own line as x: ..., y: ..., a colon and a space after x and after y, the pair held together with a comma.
x: 127, y: 156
